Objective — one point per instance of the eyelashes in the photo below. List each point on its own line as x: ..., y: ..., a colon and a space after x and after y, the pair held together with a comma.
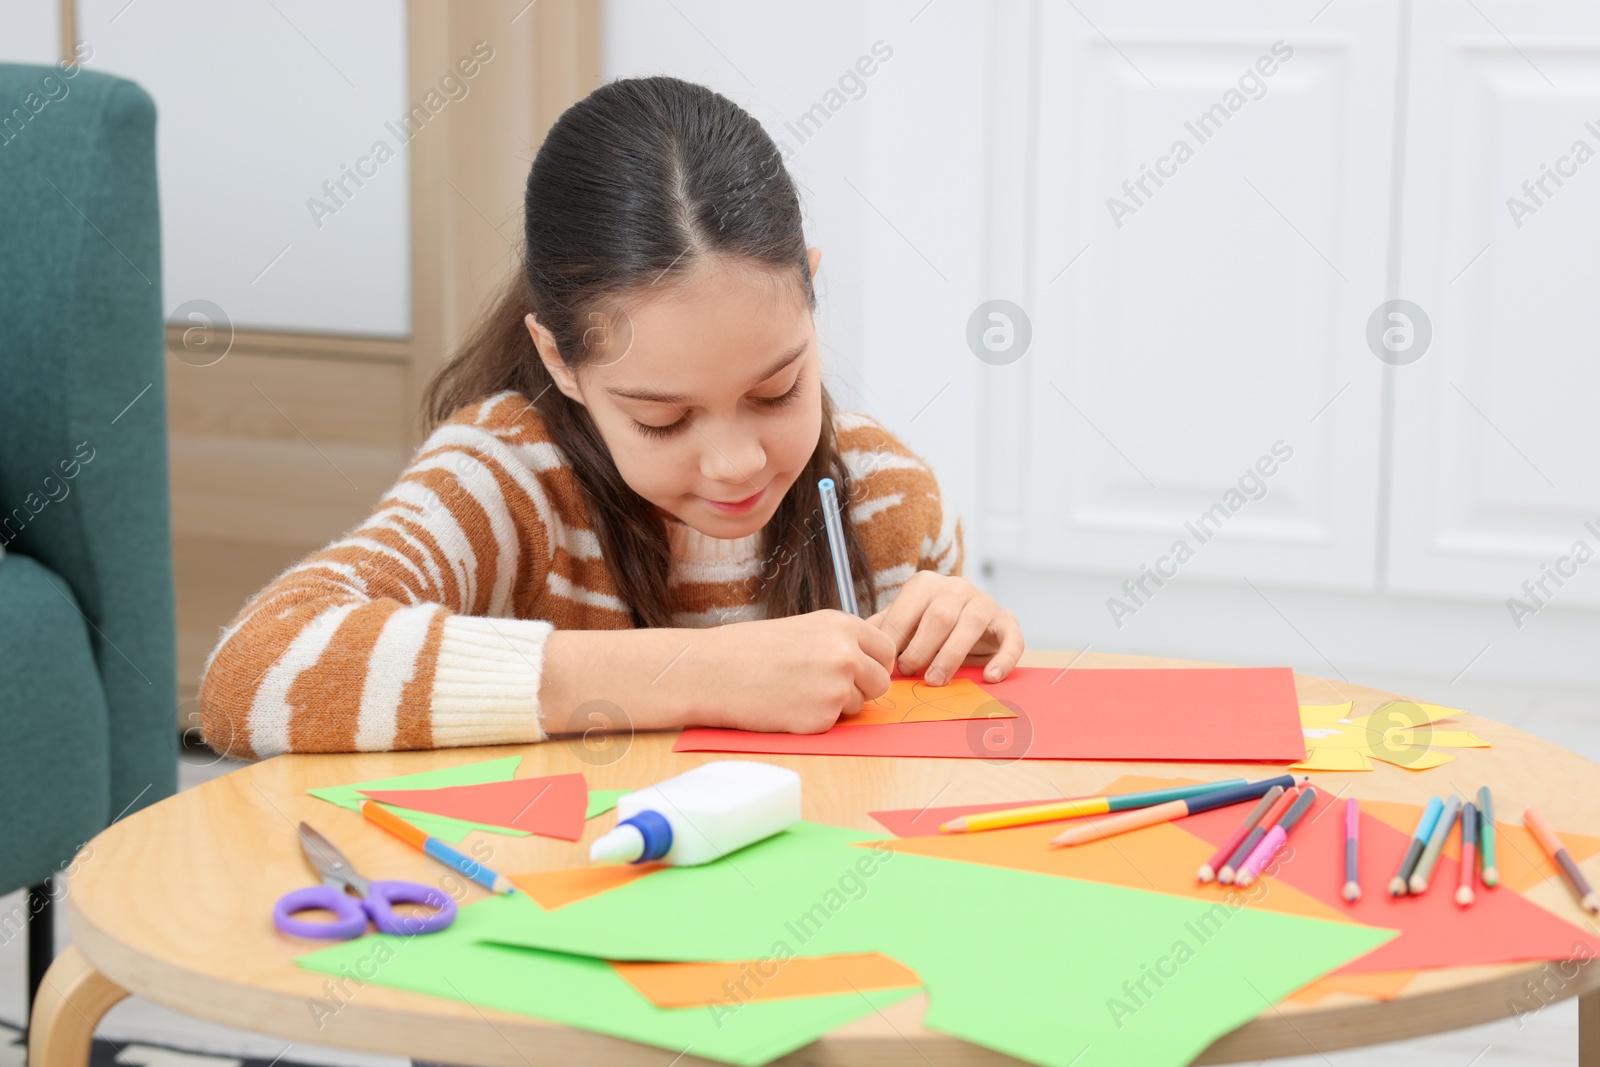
x: 673, y: 428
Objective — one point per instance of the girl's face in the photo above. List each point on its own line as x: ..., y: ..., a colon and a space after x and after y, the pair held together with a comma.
x: 708, y: 397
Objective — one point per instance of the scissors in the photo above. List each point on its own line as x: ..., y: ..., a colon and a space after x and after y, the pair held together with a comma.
x: 373, y: 900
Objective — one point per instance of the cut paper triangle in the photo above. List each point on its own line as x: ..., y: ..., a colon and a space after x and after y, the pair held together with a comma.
x: 556, y: 889
x: 603, y: 800
x: 551, y: 806
x: 452, y: 830
x: 1218, y: 714
x: 1379, y: 985
x: 694, y: 985
x: 913, y: 700
x: 916, y: 822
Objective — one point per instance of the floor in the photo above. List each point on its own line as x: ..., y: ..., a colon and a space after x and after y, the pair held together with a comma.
x: 133, y: 1029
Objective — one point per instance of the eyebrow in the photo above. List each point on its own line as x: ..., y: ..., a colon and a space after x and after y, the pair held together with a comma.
x: 655, y: 396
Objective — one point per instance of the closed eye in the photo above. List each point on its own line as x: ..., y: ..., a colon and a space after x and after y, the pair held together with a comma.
x: 786, y: 398
x: 673, y: 428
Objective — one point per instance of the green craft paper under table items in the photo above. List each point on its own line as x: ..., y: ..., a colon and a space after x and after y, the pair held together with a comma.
x: 584, y: 992
x: 1050, y: 970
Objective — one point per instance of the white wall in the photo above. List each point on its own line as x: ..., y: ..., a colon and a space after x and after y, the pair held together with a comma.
x: 259, y: 105
x: 30, y: 31
x: 892, y: 186
x: 1229, y: 313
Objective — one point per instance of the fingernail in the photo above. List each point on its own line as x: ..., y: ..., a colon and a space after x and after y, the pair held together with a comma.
x: 933, y: 678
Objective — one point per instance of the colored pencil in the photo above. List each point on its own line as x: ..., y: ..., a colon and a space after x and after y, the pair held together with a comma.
x: 1268, y: 849
x: 1490, y: 873
x: 1419, y: 841
x: 1098, y: 829
x: 1352, y: 847
x: 1423, y: 871
x: 1253, y: 838
x: 1208, y: 869
x: 1469, y: 853
x: 1551, y: 841
x: 1078, y: 807
x: 432, y: 846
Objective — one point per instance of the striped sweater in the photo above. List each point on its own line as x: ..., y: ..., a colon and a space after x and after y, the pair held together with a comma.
x: 425, y: 626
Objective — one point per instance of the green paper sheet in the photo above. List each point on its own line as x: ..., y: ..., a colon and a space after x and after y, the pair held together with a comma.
x: 1051, y: 970
x: 583, y: 992
x: 603, y: 800
x: 441, y: 826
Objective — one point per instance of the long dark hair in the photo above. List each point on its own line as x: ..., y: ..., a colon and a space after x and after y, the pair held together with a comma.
x: 633, y: 187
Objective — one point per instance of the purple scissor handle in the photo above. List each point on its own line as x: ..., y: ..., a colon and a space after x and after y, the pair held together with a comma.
x: 373, y: 900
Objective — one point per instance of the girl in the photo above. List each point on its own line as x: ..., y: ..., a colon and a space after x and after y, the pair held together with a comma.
x: 615, y: 518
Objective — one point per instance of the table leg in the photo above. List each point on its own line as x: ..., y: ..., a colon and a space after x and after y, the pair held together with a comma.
x: 1589, y: 1029
x: 70, y: 1004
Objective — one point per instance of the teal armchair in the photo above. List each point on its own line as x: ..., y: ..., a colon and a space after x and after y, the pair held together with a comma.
x: 88, y: 671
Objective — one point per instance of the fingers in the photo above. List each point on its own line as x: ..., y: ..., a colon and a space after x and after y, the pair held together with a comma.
x: 899, y: 620
x: 872, y: 680
x: 971, y: 625
x: 877, y: 644
x: 1011, y: 647
x: 932, y: 632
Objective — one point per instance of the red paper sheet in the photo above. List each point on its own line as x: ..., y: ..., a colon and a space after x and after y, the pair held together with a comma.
x: 1220, y: 714
x: 1503, y: 926
x: 553, y: 806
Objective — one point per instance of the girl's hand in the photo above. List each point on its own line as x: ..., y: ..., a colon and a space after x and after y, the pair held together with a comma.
x: 796, y: 674
x: 940, y: 622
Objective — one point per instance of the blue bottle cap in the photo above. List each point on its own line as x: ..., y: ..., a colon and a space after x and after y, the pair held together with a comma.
x: 656, y: 831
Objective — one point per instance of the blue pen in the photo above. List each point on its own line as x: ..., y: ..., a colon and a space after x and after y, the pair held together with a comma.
x: 1419, y: 841
x: 841, y: 559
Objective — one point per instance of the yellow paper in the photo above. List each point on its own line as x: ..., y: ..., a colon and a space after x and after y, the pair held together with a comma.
x: 1320, y: 714
x: 1399, y: 733
x: 913, y: 700
x: 1333, y: 759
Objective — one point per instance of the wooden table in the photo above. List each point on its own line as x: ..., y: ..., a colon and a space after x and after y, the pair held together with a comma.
x: 173, y: 903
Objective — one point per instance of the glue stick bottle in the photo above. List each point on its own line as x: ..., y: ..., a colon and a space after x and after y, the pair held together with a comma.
x: 701, y: 815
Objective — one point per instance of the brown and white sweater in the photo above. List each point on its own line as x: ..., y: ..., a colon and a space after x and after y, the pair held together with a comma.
x: 425, y: 626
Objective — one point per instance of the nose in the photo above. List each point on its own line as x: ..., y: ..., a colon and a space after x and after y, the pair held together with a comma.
x: 732, y: 456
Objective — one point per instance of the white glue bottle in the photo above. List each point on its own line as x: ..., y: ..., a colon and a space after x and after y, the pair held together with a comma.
x: 701, y: 815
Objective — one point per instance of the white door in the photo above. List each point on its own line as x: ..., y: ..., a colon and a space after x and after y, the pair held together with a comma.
x: 1495, y: 478
x: 1211, y: 193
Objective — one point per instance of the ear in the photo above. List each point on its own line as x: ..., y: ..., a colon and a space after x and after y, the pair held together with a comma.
x: 814, y: 257
x: 545, y: 343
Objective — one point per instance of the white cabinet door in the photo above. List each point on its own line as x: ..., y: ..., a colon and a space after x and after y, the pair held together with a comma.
x: 1495, y: 479
x: 1211, y: 195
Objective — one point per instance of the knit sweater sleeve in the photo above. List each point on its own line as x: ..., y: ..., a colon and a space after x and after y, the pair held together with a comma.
x: 399, y: 634
x: 906, y: 521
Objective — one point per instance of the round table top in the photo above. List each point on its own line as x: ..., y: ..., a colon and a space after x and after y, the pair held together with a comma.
x: 173, y: 903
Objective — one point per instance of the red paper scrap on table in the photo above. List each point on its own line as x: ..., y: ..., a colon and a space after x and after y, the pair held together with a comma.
x: 553, y: 805
x: 1502, y: 926
x: 924, y: 822
x: 1215, y: 714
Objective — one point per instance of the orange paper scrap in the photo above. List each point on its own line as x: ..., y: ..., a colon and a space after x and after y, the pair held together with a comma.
x: 913, y: 700
x: 693, y: 985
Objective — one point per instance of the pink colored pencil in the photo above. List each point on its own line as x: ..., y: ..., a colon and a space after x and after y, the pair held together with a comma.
x: 1352, y: 850
x: 1209, y: 869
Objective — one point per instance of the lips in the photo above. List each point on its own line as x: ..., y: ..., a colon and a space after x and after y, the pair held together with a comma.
x: 734, y: 507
